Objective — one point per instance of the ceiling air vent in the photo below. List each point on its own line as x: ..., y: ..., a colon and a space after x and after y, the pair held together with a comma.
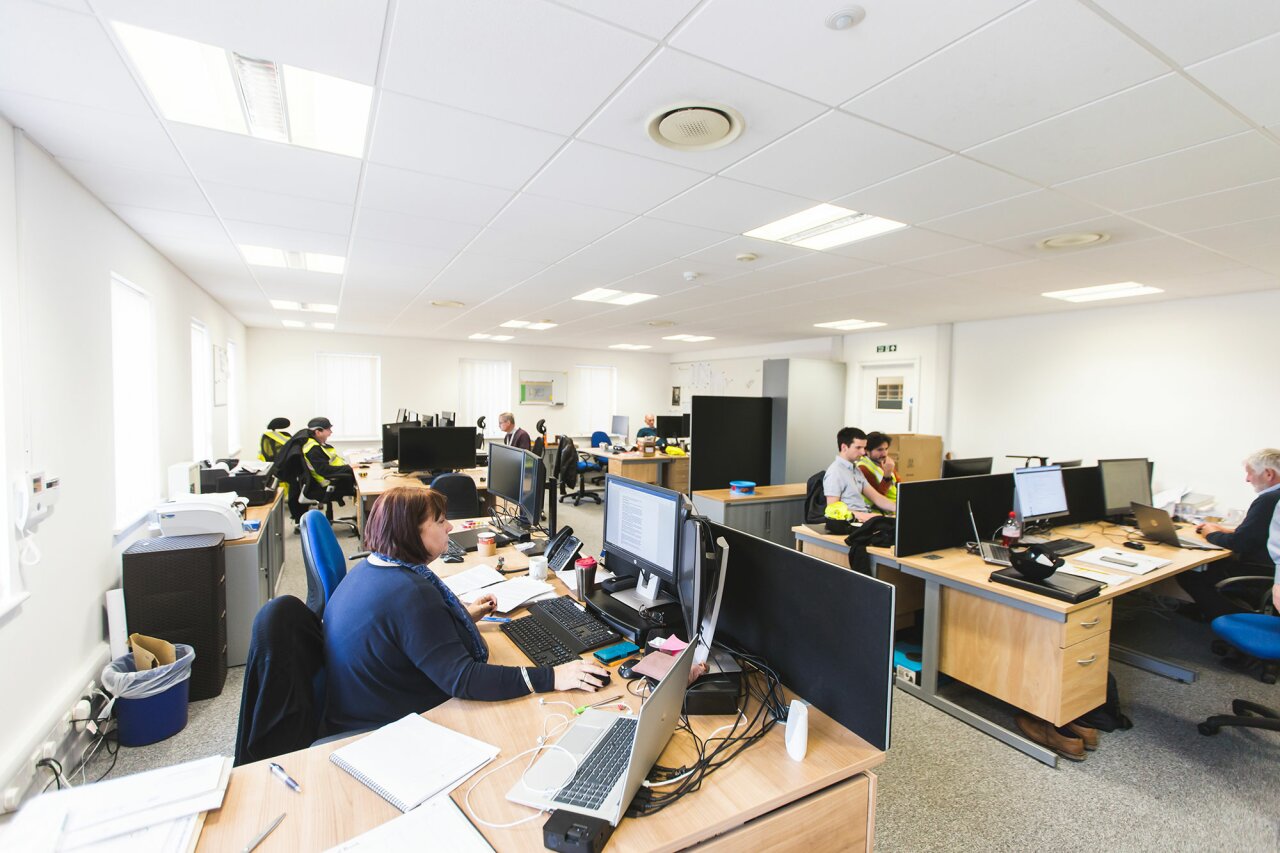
x: 695, y: 127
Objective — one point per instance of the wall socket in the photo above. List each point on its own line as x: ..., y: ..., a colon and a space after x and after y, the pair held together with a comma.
x: 66, y: 742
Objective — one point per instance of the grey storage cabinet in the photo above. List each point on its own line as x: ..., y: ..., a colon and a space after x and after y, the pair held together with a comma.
x: 253, y: 572
x: 770, y: 513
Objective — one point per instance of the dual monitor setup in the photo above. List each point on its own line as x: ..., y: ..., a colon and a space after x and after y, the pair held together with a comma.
x: 668, y: 427
x: 409, y: 417
x: 429, y: 448
x: 1040, y: 495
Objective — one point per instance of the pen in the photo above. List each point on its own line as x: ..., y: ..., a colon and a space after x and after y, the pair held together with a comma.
x: 279, y: 772
x: 495, y: 619
x: 597, y: 704
x: 248, y: 848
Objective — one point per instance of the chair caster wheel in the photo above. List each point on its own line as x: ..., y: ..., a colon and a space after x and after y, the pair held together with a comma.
x: 1268, y: 678
x: 1206, y: 729
x: 1219, y: 648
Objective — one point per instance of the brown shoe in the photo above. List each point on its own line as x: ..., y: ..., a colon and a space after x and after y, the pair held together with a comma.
x: 1086, y: 734
x: 1044, y: 733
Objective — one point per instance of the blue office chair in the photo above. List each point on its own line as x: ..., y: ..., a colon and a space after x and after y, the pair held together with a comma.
x: 325, y: 563
x: 459, y: 490
x: 1258, y: 635
x: 600, y: 437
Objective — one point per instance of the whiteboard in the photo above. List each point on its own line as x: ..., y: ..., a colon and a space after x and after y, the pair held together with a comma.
x: 740, y: 377
x: 543, y: 388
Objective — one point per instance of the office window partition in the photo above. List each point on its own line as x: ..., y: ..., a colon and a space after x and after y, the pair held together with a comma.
x: 133, y: 373
x: 349, y: 393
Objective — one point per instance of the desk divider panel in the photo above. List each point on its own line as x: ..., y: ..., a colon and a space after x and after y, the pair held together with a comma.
x: 826, y: 631
x: 1084, y: 495
x: 933, y: 515
x: 732, y: 440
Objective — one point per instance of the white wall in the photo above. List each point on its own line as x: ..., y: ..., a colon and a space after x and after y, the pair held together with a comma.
x: 423, y: 375
x: 1189, y: 384
x: 736, y: 371
x: 58, y: 418
x: 927, y: 346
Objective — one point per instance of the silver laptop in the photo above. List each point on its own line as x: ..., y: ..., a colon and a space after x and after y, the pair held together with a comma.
x: 993, y: 553
x: 1156, y: 524
x: 612, y: 753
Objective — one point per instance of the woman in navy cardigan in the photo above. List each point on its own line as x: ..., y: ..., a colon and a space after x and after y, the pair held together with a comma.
x: 398, y: 641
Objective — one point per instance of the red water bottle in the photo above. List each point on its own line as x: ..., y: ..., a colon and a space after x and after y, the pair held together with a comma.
x: 1012, y: 531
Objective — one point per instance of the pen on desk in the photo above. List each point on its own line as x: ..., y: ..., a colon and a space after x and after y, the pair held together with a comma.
x: 579, y: 710
x: 280, y: 773
x: 495, y: 619
x: 248, y: 848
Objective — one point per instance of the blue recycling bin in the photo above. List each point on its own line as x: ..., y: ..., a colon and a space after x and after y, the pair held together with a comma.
x: 150, y: 706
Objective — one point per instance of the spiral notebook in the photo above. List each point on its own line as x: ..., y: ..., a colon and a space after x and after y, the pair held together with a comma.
x: 411, y: 760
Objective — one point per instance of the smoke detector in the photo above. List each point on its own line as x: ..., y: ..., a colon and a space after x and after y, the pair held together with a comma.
x: 747, y: 257
x: 695, y: 127
x: 447, y: 303
x: 846, y: 18
x: 661, y: 324
x: 1073, y: 241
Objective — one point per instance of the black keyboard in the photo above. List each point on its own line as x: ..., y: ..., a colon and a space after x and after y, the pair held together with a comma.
x: 454, y: 550
x: 1065, y: 547
x: 602, y: 768
x: 582, y: 626
x: 538, y: 644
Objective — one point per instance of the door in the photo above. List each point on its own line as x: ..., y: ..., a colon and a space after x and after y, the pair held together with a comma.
x: 887, y: 395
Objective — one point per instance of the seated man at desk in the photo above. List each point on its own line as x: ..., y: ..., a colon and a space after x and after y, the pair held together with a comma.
x: 648, y: 429
x: 844, y: 480
x: 398, y: 641
x: 515, y: 437
x: 1248, y: 542
x: 878, y: 466
x: 326, y: 467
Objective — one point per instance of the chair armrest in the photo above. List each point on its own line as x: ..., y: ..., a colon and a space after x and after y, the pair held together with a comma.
x: 1245, y: 579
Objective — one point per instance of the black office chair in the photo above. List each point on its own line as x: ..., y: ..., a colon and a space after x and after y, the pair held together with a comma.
x: 572, y: 469
x: 540, y: 443
x: 460, y: 492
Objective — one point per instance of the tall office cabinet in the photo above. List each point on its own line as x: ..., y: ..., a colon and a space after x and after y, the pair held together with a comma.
x: 253, y: 569
x: 175, y: 589
x: 808, y: 411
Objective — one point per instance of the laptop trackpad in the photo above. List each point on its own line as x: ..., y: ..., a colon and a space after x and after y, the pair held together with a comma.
x: 554, y: 768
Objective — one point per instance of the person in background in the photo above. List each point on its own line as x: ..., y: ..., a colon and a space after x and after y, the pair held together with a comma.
x: 398, y: 641
x: 326, y: 466
x: 515, y: 437
x: 878, y: 466
x: 844, y: 480
x: 273, y: 439
x: 648, y: 429
x: 1248, y: 542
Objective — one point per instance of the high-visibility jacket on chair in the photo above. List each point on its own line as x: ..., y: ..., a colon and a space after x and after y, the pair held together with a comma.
x: 270, y: 443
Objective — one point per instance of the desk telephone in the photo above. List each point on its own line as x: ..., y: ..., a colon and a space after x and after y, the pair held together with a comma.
x: 562, y: 549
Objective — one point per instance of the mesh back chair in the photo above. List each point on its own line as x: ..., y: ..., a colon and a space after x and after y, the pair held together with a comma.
x: 1257, y: 635
x: 323, y: 558
x: 305, y: 492
x: 573, y: 469
x: 460, y: 493
x: 540, y: 443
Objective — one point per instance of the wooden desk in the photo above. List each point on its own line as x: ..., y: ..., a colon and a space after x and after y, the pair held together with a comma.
x: 760, y: 799
x: 1045, y: 656
x: 375, y: 479
x: 671, y: 472
x: 770, y: 513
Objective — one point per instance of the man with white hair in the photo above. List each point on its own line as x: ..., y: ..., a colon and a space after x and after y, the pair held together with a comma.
x: 1248, y: 542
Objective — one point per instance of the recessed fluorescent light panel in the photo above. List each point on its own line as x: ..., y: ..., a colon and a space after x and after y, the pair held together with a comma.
x: 322, y: 325
x: 691, y: 339
x: 265, y: 256
x: 614, y: 297
x: 294, y: 324
x: 848, y: 325
x: 314, y: 307
x: 630, y: 346
x: 481, y: 336
x: 209, y: 86
x: 825, y: 227
x: 539, y: 326
x: 1103, y: 291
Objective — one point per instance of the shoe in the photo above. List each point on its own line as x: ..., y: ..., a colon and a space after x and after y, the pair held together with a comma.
x: 1191, y: 611
x: 1044, y: 733
x: 1086, y: 734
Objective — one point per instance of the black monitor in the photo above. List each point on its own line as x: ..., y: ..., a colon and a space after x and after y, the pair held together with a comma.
x: 642, y: 528
x: 447, y: 418
x: 533, y: 482
x: 686, y: 425
x: 966, y: 467
x: 399, y: 416
x: 479, y: 440
x: 506, y: 465
x: 1038, y: 493
x: 391, y: 441
x: 436, y: 448
x: 426, y: 420
x: 669, y: 426
x: 1124, y: 481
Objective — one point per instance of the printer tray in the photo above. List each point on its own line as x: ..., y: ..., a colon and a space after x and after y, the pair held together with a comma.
x: 1058, y: 585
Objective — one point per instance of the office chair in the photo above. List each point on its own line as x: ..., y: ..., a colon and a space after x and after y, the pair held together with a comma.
x: 324, y: 561
x: 459, y: 490
x: 1258, y: 635
x: 600, y: 437
x: 572, y: 469
x: 1252, y: 594
x: 540, y: 443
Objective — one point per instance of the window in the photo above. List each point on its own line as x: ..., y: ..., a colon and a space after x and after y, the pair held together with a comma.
x: 133, y: 376
x: 233, y: 398
x: 889, y: 393
x: 349, y: 393
x: 598, y: 391
x: 201, y: 393
x: 484, y: 390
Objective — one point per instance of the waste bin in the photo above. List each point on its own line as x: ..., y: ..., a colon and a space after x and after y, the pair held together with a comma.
x: 152, y: 705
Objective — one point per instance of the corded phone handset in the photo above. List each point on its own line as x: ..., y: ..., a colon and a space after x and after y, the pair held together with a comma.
x: 562, y: 549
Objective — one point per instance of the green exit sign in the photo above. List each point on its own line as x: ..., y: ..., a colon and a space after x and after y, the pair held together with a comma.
x: 887, y: 348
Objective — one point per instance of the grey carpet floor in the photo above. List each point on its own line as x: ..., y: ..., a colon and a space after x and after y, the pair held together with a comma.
x: 946, y: 786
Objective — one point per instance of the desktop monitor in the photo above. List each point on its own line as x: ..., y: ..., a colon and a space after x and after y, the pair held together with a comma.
x: 669, y: 426
x: 426, y: 420
x: 1038, y: 493
x: 436, y: 448
x: 686, y: 425
x: 641, y: 528
x: 533, y: 482
x: 447, y: 418
x: 391, y: 441
x: 621, y: 426
x: 399, y: 416
x: 506, y: 465
x: 1124, y: 481
x: 966, y: 467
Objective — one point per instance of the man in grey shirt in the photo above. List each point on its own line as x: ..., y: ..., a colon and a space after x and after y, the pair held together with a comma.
x: 844, y: 482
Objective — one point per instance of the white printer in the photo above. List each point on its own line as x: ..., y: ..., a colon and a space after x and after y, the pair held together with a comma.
x: 219, y: 512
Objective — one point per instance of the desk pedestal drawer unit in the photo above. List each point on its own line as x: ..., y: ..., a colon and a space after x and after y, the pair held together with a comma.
x: 770, y: 513
x: 253, y: 567
x: 175, y: 589
x: 841, y: 817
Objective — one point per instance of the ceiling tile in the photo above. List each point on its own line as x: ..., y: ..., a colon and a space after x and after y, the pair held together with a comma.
x: 964, y: 261
x: 414, y: 193
x: 1119, y: 229
x: 115, y: 185
x: 288, y: 239
x: 938, y: 189
x: 1042, y: 59
x: 602, y: 177
x: 1246, y: 77
x: 1255, y: 201
x: 150, y: 222
x: 1235, y: 161
x: 654, y: 18
x: 413, y: 134
x: 1188, y: 31
x: 403, y: 228
x: 825, y: 64
x: 1238, y: 236
x: 271, y: 167
x: 384, y: 260
x: 545, y: 230
x: 1145, y: 259
x: 730, y: 206
x: 299, y: 286
x: 641, y: 244
x: 726, y: 252
x: 902, y: 245
x: 266, y: 208
x: 474, y: 271
x: 1146, y: 121
x: 532, y: 63
x: 673, y: 79
x: 1036, y: 211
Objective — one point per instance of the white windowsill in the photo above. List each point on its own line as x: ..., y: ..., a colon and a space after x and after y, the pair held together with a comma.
x: 11, y: 602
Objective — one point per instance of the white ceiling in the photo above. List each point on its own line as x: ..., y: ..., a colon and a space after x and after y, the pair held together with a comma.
x: 508, y: 165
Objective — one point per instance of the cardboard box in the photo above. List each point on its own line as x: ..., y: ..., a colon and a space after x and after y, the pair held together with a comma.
x: 918, y: 457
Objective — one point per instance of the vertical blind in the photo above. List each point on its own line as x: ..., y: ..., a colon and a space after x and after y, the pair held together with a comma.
x: 484, y: 388
x: 201, y: 393
x: 598, y: 391
x: 133, y: 376
x: 349, y: 393
x: 233, y: 399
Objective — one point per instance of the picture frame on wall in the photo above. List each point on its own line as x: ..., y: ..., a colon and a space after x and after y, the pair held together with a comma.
x: 675, y: 395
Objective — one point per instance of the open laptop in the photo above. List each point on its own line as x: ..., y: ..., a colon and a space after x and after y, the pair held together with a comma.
x: 612, y: 753
x: 992, y: 552
x: 1156, y: 524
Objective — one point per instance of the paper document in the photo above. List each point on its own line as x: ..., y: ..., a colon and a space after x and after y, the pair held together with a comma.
x: 1119, y: 560
x: 438, y: 819
x: 511, y: 594
x: 569, y: 577
x: 1089, y: 573
x: 476, y: 577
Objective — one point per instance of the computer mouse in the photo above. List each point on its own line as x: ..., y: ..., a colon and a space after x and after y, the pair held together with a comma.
x: 606, y: 678
x: 1137, y: 546
x: 624, y: 669
x: 450, y: 558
